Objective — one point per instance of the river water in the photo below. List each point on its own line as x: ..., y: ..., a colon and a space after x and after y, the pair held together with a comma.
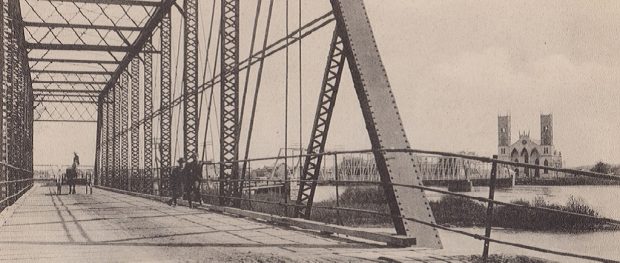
x: 605, y: 199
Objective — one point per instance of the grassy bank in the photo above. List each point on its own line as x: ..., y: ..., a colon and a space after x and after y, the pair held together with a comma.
x: 371, y: 198
x: 462, y: 212
x: 565, y: 181
x: 448, y: 211
x: 506, y: 259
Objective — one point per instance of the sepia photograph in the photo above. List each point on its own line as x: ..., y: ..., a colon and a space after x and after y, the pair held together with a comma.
x: 310, y: 131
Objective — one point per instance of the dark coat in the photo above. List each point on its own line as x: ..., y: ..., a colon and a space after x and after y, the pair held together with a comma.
x: 192, y: 172
x: 176, y: 176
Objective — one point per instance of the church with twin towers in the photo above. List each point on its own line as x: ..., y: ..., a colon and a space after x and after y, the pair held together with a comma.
x: 528, y: 150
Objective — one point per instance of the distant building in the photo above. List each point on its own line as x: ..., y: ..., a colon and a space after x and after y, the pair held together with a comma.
x: 527, y: 150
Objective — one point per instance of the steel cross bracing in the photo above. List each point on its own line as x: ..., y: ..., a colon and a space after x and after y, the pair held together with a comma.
x: 229, y: 102
x: 110, y: 125
x: 124, y: 136
x: 116, y: 149
x: 68, y: 77
x: 74, y: 42
x: 273, y: 48
x: 16, y: 103
x: 165, y: 121
x: 98, y: 154
x: 190, y: 107
x: 135, y: 116
x: 101, y: 158
x: 4, y: 52
x: 148, y: 125
x: 320, y: 128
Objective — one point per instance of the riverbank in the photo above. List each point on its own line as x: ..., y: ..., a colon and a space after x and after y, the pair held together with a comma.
x: 565, y: 181
x: 461, y: 212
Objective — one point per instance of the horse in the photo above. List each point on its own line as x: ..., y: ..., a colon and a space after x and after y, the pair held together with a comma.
x: 71, y: 174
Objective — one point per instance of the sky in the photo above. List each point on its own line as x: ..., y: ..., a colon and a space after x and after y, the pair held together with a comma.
x: 454, y: 66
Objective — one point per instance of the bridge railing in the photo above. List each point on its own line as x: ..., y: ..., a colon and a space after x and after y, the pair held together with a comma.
x: 282, y: 200
x: 263, y: 190
x: 14, y: 182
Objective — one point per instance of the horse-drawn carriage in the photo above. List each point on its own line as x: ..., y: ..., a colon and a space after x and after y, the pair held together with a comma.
x: 73, y: 176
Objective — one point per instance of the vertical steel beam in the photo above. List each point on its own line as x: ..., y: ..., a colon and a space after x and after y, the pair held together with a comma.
x: 3, y: 100
x: 229, y: 101
x: 116, y: 138
x: 148, y: 122
x: 98, y: 144
x: 165, y: 100
x: 25, y: 154
x: 320, y: 128
x: 100, y: 179
x: 124, y: 131
x: 27, y: 107
x: 111, y: 127
x: 11, y: 98
x: 384, y: 124
x: 190, y: 105
x: 135, y: 130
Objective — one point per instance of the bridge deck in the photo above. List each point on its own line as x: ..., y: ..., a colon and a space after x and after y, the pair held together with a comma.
x: 106, y: 226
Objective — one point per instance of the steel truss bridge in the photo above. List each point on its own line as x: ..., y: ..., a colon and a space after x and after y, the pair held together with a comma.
x: 128, y: 65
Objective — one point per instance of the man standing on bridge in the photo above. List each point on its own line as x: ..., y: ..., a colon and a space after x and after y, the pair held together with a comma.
x: 192, y: 180
x: 76, y: 160
x: 175, y: 181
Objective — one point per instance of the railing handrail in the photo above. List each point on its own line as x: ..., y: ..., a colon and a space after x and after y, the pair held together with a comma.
x: 16, y: 181
x: 490, y: 200
x: 14, y: 167
x: 16, y: 194
x: 425, y: 188
x: 439, y: 153
x: 476, y: 236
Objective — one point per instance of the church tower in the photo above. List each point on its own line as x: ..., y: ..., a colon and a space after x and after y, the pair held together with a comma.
x: 503, y: 135
x: 503, y: 130
x: 546, y: 129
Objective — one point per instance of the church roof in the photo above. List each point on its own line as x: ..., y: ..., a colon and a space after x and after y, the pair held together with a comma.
x: 525, y: 141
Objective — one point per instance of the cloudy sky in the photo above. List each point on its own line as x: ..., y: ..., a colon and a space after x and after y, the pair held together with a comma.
x: 454, y: 67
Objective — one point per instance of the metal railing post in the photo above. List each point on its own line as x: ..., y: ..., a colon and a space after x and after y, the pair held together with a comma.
x: 249, y: 174
x: 337, y: 177
x: 285, y: 195
x: 489, y: 219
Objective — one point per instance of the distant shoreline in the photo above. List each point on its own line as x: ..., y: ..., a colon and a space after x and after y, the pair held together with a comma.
x: 565, y: 181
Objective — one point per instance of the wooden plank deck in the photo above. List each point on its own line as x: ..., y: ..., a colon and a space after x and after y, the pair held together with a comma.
x: 112, y: 227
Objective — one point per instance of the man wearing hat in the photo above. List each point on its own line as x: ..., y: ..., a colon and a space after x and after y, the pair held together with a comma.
x: 192, y: 180
x: 176, y: 178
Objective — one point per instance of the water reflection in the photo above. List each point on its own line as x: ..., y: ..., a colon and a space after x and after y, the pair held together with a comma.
x: 605, y: 199
x: 602, y: 198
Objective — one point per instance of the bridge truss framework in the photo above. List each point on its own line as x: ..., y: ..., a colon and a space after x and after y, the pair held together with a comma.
x: 49, y: 77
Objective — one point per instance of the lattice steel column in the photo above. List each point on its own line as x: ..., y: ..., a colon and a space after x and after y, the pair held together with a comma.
x: 165, y: 100
x: 18, y: 90
x: 99, y: 142
x: 110, y: 138
x: 124, y: 130
x: 135, y: 118
x: 148, y: 122
x: 103, y: 144
x: 229, y: 101
x: 384, y: 124
x: 320, y: 128
x: 11, y: 107
x: 117, y: 137
x: 3, y: 99
x: 190, y: 116
x: 27, y: 99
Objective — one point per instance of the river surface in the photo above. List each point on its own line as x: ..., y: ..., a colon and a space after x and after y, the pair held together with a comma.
x: 605, y: 199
